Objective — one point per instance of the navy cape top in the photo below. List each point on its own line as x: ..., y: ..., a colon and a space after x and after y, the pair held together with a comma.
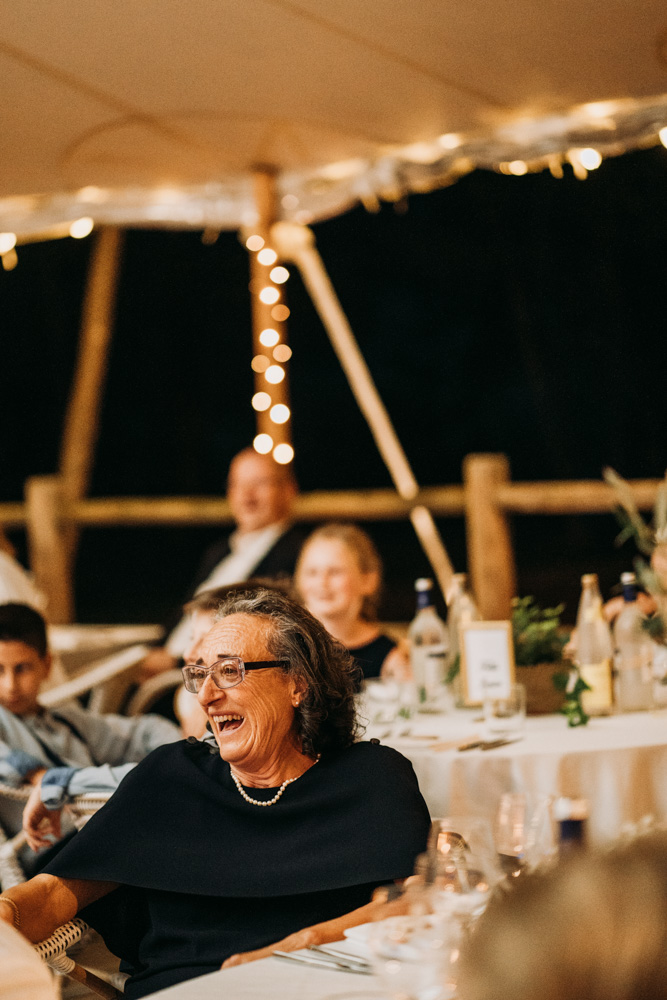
x: 196, y: 858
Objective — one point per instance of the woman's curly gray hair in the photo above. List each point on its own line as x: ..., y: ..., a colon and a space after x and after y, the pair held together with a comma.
x: 325, y: 717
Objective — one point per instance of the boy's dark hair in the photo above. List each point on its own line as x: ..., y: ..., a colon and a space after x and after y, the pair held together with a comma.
x: 21, y: 623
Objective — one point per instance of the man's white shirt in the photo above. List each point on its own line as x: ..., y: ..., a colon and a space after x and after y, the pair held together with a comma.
x: 246, y: 553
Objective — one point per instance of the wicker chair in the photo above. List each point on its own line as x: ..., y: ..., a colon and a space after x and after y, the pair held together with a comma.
x: 53, y: 950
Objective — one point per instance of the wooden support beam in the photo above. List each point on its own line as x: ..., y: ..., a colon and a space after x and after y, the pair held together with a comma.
x: 298, y: 244
x: 490, y: 553
x: 48, y: 546
x: 83, y: 411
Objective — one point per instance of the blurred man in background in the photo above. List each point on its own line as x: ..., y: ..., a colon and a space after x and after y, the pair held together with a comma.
x: 264, y: 543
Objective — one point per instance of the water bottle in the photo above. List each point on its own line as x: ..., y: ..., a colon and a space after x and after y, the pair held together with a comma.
x: 594, y: 649
x: 571, y: 816
x: 633, y: 654
x: 429, y: 648
x: 462, y: 610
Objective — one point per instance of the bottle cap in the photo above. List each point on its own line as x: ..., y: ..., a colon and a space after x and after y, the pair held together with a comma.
x: 423, y: 583
x: 565, y: 808
x: 628, y: 578
x: 589, y: 578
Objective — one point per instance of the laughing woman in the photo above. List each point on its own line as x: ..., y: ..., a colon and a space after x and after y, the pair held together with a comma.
x: 277, y: 805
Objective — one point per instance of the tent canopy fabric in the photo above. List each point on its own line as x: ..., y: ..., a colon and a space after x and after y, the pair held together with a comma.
x: 157, y: 112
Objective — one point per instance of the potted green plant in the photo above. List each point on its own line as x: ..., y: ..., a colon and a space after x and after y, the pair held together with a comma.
x: 539, y: 639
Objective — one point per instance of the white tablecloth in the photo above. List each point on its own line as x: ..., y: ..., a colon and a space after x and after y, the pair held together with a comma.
x: 273, y: 979
x: 618, y: 764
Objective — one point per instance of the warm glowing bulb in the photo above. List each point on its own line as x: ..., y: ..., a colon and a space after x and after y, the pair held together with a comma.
x: 590, y: 158
x: 7, y: 242
x: 261, y: 401
x: 280, y: 313
x: 274, y: 374
x: 9, y: 260
x: 450, y: 141
x: 282, y: 352
x: 269, y: 337
x: 269, y: 295
x: 259, y: 363
x: 662, y: 135
x: 254, y: 243
x: 280, y: 413
x: 267, y: 256
x: 279, y: 275
x: 518, y: 168
x: 81, y: 227
x: 283, y: 453
x: 263, y: 443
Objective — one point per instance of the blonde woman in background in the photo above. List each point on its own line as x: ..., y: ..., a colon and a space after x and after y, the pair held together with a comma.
x: 339, y: 577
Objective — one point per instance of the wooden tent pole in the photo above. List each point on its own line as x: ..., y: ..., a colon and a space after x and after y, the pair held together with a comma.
x: 83, y: 410
x: 297, y: 243
x: 49, y: 558
x: 490, y: 552
x: 264, y: 316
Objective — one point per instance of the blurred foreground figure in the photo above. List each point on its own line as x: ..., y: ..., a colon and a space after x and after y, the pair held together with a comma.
x: 264, y: 543
x: 593, y: 927
x: 24, y: 975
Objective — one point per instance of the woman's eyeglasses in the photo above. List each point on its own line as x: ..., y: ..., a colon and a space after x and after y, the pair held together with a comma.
x: 226, y: 673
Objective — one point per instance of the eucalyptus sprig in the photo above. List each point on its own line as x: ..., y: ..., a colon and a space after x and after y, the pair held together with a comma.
x: 572, y: 684
x: 632, y: 523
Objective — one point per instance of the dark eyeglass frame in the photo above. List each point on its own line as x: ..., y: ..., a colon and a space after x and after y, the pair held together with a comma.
x: 195, y: 682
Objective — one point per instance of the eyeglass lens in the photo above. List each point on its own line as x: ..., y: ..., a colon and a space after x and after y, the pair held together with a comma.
x: 224, y: 673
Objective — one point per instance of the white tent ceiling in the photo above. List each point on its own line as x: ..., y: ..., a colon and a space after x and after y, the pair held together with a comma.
x: 155, y: 112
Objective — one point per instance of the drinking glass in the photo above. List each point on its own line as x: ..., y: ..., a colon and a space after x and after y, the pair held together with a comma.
x: 379, y: 702
x: 524, y: 834
x: 506, y: 716
x: 461, y: 867
x: 415, y: 956
x: 511, y: 830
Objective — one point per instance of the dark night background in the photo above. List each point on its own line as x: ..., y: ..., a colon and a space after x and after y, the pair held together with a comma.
x: 517, y: 315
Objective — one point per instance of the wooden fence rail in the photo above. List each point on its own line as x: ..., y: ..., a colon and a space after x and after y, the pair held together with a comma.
x: 487, y: 500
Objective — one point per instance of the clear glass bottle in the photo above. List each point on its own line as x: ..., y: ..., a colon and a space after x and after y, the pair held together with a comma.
x: 633, y: 653
x: 594, y: 649
x: 461, y: 611
x: 429, y: 648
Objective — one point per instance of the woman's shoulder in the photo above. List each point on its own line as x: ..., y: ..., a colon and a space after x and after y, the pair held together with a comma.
x: 374, y: 758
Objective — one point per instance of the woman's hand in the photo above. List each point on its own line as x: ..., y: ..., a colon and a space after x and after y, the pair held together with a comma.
x: 330, y: 930
x: 305, y: 938
x: 396, y: 665
x: 40, y: 823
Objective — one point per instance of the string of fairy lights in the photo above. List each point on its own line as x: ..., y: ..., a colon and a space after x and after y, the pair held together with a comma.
x: 271, y: 352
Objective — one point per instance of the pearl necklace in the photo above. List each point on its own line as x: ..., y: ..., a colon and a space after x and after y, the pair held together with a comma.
x: 269, y: 802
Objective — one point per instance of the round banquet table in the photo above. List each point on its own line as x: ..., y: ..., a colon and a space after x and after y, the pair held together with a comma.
x: 618, y: 764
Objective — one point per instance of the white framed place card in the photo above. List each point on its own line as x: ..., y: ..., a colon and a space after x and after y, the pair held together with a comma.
x: 487, y: 660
